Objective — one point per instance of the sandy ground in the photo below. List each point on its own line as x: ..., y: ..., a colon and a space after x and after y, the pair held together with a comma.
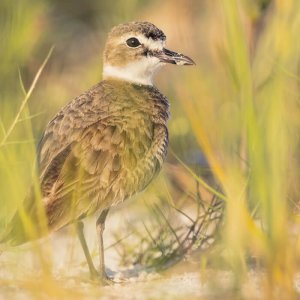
x: 21, y: 266
x: 20, y: 273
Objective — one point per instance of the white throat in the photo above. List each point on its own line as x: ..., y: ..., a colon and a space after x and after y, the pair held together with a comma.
x: 140, y: 72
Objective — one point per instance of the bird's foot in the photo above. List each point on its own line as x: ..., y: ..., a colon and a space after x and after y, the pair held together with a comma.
x: 101, y: 278
x: 106, y: 280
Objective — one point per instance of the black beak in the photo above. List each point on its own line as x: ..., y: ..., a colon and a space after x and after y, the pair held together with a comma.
x: 168, y: 56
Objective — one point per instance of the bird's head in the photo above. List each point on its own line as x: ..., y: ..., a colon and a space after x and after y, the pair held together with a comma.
x: 135, y: 50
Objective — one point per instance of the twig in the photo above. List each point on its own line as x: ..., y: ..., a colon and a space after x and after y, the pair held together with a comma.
x: 30, y: 117
x: 119, y: 241
x: 184, y: 214
x: 167, y: 222
x: 167, y: 245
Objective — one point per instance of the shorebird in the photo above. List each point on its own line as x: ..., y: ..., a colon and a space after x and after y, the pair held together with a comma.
x: 106, y: 144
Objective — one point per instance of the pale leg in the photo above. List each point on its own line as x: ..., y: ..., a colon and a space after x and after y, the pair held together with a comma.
x: 93, y: 272
x: 100, y: 226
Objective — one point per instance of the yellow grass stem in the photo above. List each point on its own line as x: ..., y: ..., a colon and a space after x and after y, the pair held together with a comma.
x: 26, y: 98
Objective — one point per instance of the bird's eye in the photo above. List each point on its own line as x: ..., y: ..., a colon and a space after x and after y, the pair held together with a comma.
x: 133, y: 42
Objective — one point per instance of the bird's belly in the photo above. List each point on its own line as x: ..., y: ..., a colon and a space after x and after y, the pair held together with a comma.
x: 133, y: 181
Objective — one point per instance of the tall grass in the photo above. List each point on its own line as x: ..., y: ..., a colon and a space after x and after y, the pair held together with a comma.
x: 251, y: 140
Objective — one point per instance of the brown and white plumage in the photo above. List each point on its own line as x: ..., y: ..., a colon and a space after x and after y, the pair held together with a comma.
x: 108, y: 143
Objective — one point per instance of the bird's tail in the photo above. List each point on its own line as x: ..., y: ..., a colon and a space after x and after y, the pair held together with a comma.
x: 3, y: 238
x: 28, y: 223
x: 13, y: 233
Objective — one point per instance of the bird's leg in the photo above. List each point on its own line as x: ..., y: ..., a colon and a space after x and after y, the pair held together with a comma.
x: 100, y: 226
x: 93, y: 272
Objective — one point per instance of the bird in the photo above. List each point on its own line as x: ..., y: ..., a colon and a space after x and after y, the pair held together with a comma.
x: 105, y: 145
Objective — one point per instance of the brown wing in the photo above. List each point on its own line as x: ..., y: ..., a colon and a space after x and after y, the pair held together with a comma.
x: 83, y: 181
x: 67, y: 127
x: 73, y: 148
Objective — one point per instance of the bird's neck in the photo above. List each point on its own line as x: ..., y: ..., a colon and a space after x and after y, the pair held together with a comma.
x: 139, y: 72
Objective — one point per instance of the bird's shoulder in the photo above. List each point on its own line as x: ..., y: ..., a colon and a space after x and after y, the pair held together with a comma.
x: 69, y: 123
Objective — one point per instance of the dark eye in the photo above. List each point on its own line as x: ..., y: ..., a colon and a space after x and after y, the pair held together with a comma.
x: 133, y: 42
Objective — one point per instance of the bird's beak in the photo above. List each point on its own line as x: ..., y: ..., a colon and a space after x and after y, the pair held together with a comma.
x: 168, y: 56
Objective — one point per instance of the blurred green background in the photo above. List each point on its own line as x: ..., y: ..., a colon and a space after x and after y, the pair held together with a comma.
x: 236, y: 112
